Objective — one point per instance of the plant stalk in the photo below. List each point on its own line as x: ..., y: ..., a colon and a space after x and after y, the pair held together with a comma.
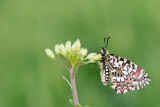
x: 73, y: 87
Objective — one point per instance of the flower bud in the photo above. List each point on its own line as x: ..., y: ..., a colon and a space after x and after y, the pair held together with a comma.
x: 68, y: 45
x: 49, y: 53
x: 91, y: 61
x: 57, y: 49
x: 77, y: 44
x: 91, y: 56
x: 97, y: 57
x: 74, y: 47
x: 62, y: 50
x: 84, y: 52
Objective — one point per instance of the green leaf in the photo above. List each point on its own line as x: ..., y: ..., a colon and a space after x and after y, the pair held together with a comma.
x: 87, y: 106
x: 78, y: 105
x: 71, y: 101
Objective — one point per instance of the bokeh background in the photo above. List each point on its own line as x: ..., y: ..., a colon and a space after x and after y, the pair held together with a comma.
x: 28, y: 78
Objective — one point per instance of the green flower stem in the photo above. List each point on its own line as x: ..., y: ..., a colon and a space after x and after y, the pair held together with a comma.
x: 73, y: 86
x: 63, y: 58
x: 62, y: 64
x: 67, y: 81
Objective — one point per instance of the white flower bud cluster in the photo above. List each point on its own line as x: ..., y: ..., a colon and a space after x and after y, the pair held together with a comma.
x: 74, y: 54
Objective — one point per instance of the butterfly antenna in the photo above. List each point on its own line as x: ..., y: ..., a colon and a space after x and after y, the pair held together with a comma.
x: 107, y: 42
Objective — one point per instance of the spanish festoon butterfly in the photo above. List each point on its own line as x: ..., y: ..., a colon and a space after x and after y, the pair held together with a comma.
x: 123, y: 74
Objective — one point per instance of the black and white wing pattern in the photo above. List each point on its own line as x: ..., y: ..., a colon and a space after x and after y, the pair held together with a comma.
x: 124, y: 74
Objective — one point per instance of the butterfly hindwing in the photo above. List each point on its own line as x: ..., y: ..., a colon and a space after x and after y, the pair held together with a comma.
x: 125, y: 75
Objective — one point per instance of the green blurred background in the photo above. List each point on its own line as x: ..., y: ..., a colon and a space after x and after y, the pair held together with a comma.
x: 28, y: 78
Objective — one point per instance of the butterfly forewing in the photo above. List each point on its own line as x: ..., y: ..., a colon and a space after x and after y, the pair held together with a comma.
x: 124, y: 74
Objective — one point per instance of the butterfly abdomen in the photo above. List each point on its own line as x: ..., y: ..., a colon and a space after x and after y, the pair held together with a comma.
x: 105, y: 74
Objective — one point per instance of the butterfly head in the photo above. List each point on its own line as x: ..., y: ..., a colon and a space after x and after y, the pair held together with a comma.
x: 104, y: 51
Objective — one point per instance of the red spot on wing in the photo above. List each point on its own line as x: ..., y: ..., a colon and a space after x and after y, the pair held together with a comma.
x: 119, y: 88
x: 139, y: 69
x: 129, y: 85
x: 128, y: 76
x: 132, y: 80
x: 125, y: 88
x: 114, y: 80
x: 112, y: 63
x: 137, y: 73
x: 118, y: 83
x: 123, y: 83
x: 124, y: 64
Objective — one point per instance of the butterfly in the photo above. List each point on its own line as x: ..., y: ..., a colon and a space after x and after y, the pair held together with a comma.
x: 123, y: 74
